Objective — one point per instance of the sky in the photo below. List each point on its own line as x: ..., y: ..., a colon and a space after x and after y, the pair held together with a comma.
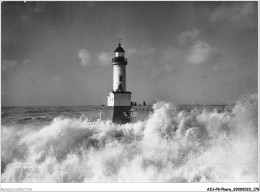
x: 59, y: 53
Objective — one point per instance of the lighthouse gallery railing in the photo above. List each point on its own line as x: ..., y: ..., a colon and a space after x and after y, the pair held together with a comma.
x: 119, y: 59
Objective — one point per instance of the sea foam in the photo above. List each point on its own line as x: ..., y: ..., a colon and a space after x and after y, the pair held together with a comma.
x: 169, y: 146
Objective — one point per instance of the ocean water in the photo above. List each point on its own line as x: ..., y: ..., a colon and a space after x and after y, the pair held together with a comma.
x: 71, y: 144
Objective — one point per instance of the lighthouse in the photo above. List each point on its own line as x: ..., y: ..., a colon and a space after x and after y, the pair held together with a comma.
x: 119, y: 96
x: 119, y: 99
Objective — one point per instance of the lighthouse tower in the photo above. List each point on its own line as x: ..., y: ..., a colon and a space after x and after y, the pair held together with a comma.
x: 119, y: 99
x: 119, y: 96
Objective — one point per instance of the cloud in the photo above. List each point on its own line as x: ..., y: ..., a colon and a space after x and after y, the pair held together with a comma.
x: 157, y: 63
x: 240, y: 13
x: 8, y: 65
x: 84, y: 56
x: 169, y: 55
x: 99, y: 59
x: 104, y: 58
x: 188, y: 36
x: 199, y: 53
x: 131, y: 51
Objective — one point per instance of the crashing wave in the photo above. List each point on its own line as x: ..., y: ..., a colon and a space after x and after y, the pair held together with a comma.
x: 169, y: 146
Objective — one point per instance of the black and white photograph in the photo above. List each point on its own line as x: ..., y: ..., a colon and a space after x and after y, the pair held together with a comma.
x: 129, y: 92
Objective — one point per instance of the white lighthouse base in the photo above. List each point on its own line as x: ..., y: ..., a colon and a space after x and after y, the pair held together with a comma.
x: 118, y: 108
x: 119, y: 99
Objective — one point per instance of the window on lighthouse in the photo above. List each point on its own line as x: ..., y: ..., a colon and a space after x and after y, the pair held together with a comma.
x: 120, y: 78
x: 120, y: 88
x: 120, y: 54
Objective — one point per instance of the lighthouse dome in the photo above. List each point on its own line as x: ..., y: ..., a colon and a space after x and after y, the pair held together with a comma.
x: 119, y: 49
